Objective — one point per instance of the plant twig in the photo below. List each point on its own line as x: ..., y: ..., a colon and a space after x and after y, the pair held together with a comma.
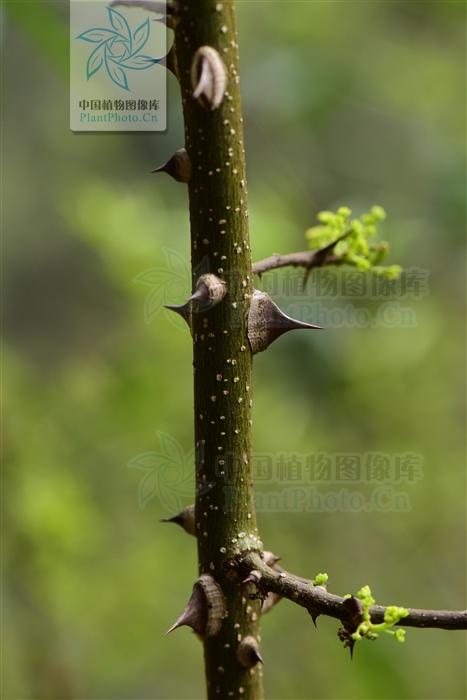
x: 318, y: 601
x: 307, y: 259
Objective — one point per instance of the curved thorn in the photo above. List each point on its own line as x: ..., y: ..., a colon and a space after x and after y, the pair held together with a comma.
x: 266, y: 322
x: 178, y: 166
x: 201, y: 295
x: 186, y: 519
x: 195, y: 614
x: 210, y: 290
x: 183, y: 311
x: 248, y: 652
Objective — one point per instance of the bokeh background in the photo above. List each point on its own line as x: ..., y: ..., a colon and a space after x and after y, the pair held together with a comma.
x: 346, y: 103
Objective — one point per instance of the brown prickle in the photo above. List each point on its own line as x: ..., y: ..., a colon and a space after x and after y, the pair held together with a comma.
x: 184, y: 311
x: 270, y: 602
x: 186, y: 519
x: 205, y: 610
x: 178, y: 166
x: 266, y: 322
x: 210, y: 290
x: 248, y: 652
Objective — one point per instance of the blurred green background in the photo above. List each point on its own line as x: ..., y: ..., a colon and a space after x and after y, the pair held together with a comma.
x: 346, y: 103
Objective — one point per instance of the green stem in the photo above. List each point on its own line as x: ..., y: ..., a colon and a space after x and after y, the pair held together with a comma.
x: 225, y: 517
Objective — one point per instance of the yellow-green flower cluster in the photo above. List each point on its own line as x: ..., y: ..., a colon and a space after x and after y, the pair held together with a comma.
x: 392, y: 616
x: 354, y: 249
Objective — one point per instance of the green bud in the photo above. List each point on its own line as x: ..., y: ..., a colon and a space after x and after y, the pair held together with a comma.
x: 356, y: 226
x: 354, y: 249
x: 378, y: 253
x: 365, y: 596
x: 344, y: 211
x: 321, y: 579
x: 393, y: 614
x: 394, y: 271
x: 400, y: 635
x: 378, y: 212
x: 325, y: 217
x: 362, y: 264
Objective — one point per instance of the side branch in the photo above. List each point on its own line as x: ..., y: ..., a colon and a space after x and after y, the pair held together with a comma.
x: 307, y: 259
x: 319, y: 602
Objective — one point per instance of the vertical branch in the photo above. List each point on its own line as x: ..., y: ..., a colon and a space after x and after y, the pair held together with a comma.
x: 225, y: 517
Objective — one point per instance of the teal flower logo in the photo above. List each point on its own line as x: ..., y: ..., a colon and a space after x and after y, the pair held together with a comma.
x: 170, y: 474
x: 169, y: 285
x: 118, y: 49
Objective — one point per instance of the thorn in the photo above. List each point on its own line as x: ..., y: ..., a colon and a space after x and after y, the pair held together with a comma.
x: 210, y: 290
x: 195, y: 614
x: 253, y: 577
x: 346, y: 636
x: 201, y: 295
x: 178, y: 166
x: 205, y: 610
x: 270, y: 558
x: 184, y: 311
x: 170, y: 60
x: 268, y: 604
x: 321, y: 253
x: 248, y: 652
x: 258, y: 657
x: 320, y: 257
x: 314, y: 617
x: 266, y: 322
x: 186, y: 519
